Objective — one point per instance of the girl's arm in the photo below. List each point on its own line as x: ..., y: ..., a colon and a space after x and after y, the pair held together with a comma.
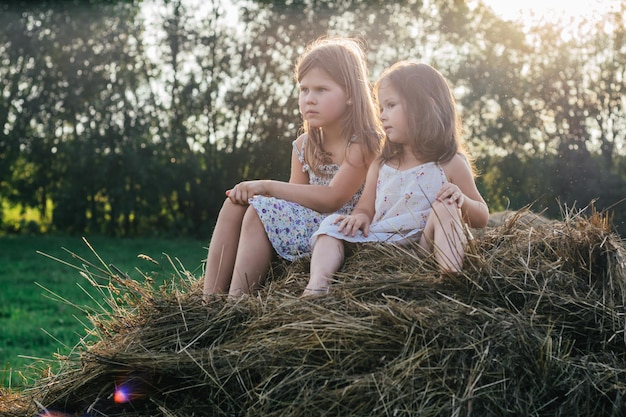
x: 363, y: 213
x: 325, y: 199
x: 462, y: 189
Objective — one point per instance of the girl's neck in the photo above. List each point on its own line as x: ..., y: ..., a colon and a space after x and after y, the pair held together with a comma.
x: 407, y: 160
x: 334, y: 146
x: 332, y: 135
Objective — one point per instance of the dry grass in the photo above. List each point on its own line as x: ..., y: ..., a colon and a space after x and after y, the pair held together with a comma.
x: 534, y: 327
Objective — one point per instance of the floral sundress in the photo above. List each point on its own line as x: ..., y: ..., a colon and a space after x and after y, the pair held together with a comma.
x: 289, y: 226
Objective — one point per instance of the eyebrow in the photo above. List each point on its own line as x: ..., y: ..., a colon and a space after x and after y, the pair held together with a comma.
x: 394, y: 97
x: 316, y: 84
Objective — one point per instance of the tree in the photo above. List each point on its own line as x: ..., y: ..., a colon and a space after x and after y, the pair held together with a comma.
x: 133, y: 120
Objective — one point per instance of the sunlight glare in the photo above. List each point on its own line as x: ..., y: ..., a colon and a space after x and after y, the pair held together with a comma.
x: 531, y: 11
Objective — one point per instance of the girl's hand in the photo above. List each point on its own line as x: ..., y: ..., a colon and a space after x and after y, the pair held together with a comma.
x: 242, y: 192
x: 451, y: 194
x: 351, y: 224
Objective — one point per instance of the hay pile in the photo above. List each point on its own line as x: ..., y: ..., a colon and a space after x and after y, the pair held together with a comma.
x: 534, y: 327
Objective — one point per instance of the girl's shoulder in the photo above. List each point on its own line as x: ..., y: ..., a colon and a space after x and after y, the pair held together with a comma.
x: 365, y: 147
x: 458, y: 165
x: 300, y: 141
x: 459, y: 159
x: 299, y: 144
x: 372, y: 140
x: 358, y: 153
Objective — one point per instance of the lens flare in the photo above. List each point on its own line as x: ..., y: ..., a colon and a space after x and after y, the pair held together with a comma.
x: 122, y: 394
x: 129, y: 389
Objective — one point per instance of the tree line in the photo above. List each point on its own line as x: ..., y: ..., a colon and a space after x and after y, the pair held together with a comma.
x: 133, y: 117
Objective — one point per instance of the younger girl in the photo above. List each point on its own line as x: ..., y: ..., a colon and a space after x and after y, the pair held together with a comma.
x: 422, y: 187
x: 342, y: 135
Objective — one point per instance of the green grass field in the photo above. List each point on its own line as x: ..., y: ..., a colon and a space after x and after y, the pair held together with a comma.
x: 33, y: 324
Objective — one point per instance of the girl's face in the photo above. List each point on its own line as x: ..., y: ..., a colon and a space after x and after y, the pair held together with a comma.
x: 393, y: 113
x: 322, y: 101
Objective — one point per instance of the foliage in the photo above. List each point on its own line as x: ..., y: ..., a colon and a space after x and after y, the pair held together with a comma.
x: 133, y: 118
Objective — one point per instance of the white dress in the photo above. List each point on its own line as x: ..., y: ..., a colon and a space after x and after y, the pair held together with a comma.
x: 403, y: 204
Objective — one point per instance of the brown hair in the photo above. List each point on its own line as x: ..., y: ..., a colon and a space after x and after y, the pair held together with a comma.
x: 433, y: 122
x: 344, y: 61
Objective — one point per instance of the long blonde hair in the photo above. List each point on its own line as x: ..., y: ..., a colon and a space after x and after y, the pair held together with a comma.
x: 434, y: 125
x: 344, y: 61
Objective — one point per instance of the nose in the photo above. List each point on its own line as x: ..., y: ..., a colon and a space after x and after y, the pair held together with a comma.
x: 310, y: 98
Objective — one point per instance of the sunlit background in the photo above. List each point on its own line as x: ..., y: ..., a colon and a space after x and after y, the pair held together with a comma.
x: 536, y: 10
x: 102, y: 100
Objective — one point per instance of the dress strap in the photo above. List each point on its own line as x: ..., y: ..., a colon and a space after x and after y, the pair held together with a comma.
x: 299, y: 152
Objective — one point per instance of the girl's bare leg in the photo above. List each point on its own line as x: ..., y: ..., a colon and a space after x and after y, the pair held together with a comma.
x: 326, y: 259
x: 444, y: 236
x: 223, y: 248
x: 254, y: 255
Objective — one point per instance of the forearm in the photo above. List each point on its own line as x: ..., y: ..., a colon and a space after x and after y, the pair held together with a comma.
x: 475, y: 213
x: 321, y: 198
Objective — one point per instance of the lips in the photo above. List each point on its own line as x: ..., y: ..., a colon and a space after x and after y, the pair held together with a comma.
x: 310, y: 114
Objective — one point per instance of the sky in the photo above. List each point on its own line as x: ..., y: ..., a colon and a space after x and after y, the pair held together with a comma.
x: 529, y: 10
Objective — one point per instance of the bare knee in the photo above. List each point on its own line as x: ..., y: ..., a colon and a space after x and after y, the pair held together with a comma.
x: 442, y: 211
x: 444, y: 236
x: 443, y: 217
x: 231, y: 212
x: 252, y: 224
